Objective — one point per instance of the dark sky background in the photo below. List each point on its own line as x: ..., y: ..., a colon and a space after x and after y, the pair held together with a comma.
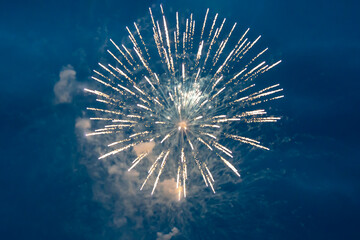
x: 47, y: 193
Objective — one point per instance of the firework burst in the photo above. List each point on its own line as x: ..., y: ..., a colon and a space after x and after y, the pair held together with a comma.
x: 186, y: 91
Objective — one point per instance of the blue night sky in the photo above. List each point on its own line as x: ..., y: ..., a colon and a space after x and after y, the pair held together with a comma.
x: 52, y: 186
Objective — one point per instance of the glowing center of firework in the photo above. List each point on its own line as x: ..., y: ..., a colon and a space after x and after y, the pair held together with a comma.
x: 182, y: 125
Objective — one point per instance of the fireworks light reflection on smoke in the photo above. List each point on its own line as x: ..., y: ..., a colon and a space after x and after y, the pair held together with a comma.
x: 186, y: 90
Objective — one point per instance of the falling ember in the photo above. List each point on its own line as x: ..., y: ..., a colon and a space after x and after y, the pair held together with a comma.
x: 184, y: 89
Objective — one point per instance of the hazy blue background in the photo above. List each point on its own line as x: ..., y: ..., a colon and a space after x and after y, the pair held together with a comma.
x: 46, y: 193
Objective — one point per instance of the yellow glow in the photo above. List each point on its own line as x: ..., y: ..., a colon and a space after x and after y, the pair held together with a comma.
x: 183, y: 125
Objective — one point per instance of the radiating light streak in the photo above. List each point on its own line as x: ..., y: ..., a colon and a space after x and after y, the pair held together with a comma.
x: 203, y: 142
x: 139, y: 133
x: 137, y: 160
x: 160, y: 171
x: 117, y: 151
x: 203, y: 27
x: 122, y: 53
x: 98, y: 133
x: 230, y: 165
x: 118, y: 142
x: 144, y: 107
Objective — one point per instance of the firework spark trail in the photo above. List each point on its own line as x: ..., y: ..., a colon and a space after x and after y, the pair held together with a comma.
x: 179, y: 91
